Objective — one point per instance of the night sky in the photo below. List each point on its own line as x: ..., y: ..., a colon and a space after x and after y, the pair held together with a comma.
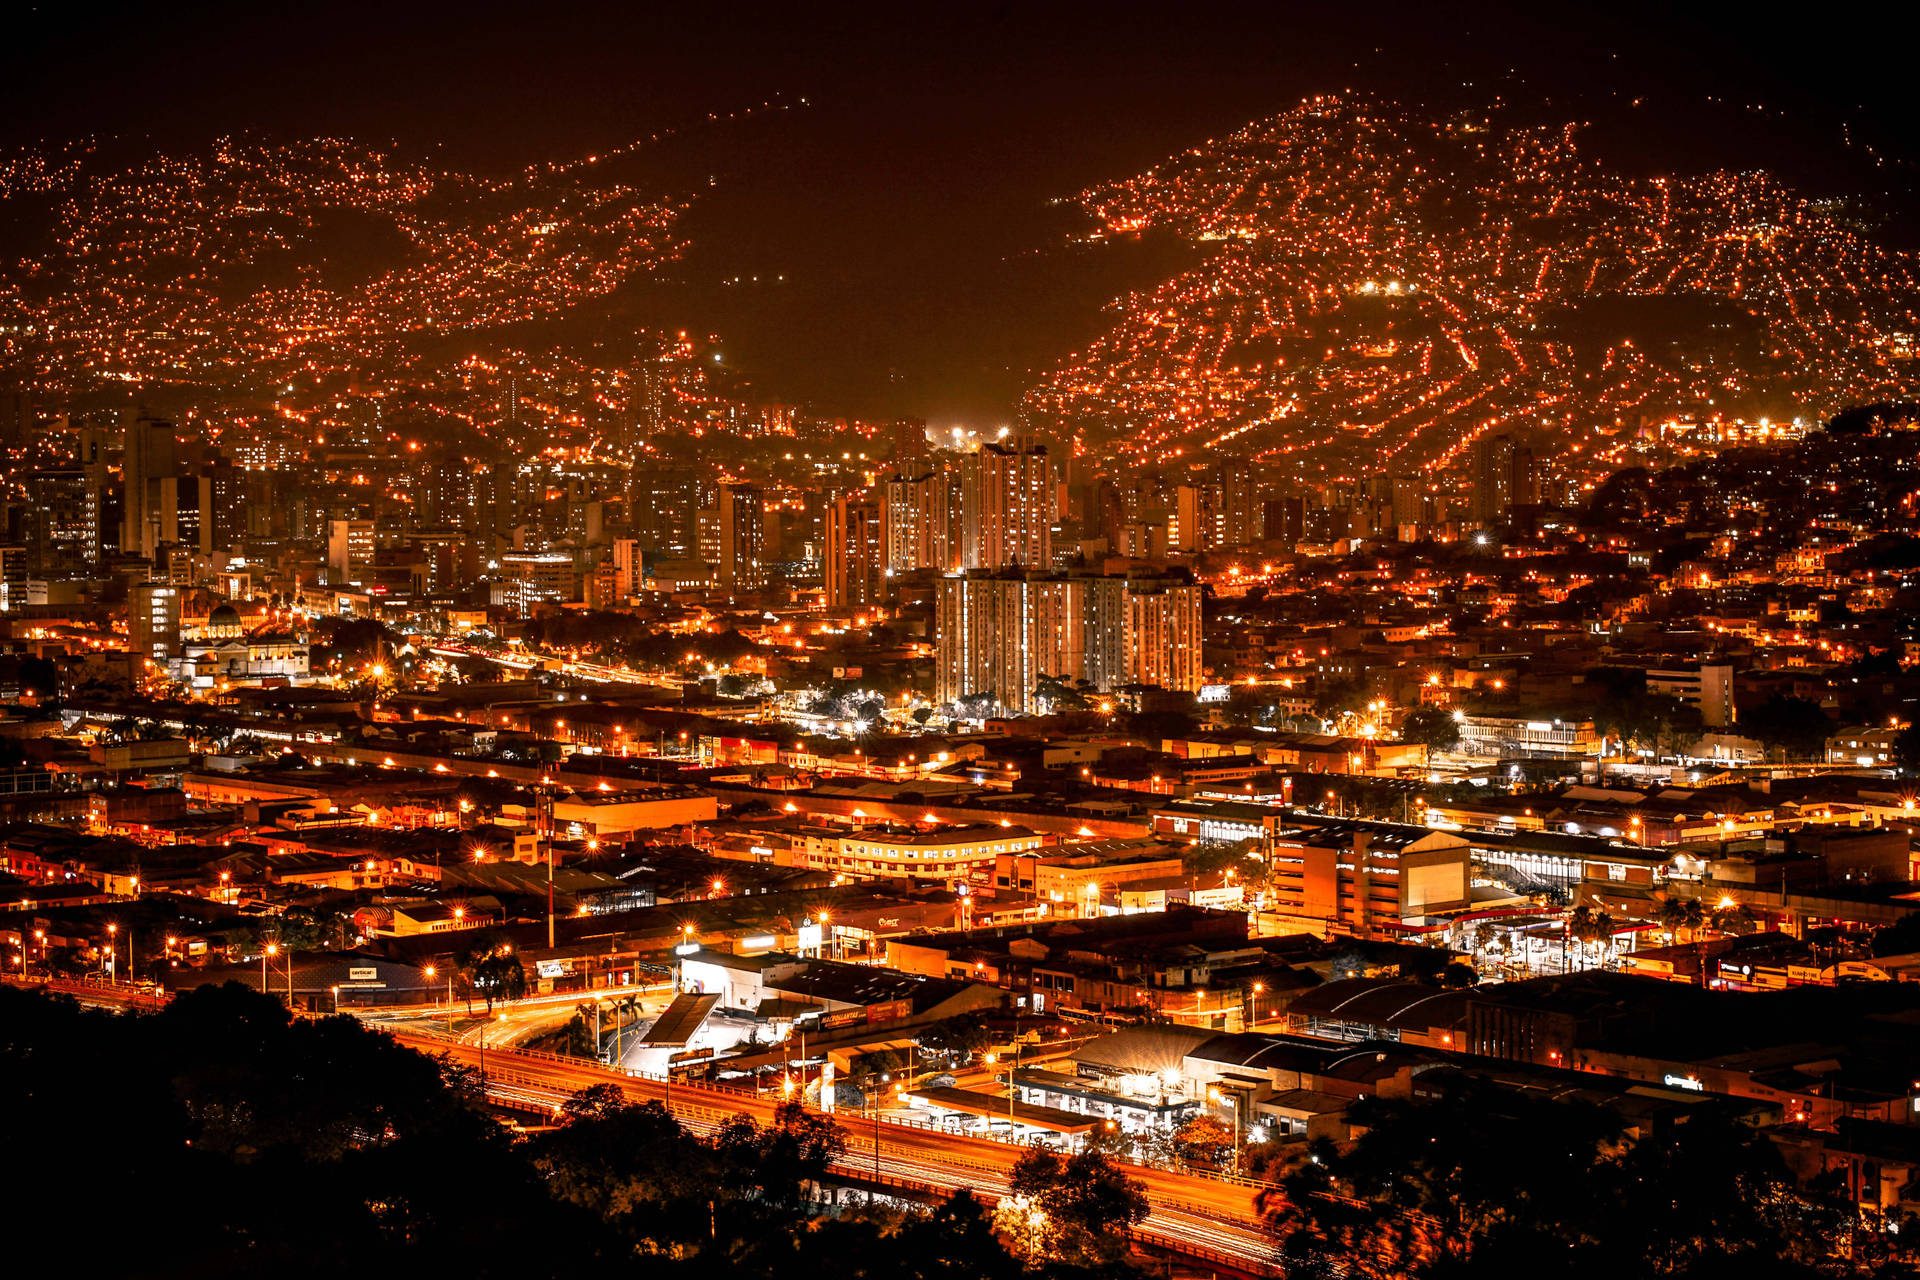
x: 907, y: 203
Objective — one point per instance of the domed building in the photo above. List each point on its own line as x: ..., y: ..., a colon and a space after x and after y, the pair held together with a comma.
x: 225, y: 653
x: 224, y: 624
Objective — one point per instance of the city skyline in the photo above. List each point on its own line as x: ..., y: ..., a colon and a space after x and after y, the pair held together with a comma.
x: 1050, y: 642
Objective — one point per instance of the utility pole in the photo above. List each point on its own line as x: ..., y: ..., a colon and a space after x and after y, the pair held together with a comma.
x: 1013, y: 1069
x: 545, y: 811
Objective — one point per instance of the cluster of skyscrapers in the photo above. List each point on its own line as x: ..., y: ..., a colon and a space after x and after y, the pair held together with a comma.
x: 1014, y: 614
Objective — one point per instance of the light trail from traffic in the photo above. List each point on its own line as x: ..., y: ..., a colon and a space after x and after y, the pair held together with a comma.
x: 1213, y: 1217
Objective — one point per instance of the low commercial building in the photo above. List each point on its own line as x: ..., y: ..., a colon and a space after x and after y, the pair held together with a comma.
x: 829, y: 993
x: 1374, y: 880
x: 590, y: 815
x: 1212, y: 821
x: 936, y: 853
x: 1706, y: 687
x: 1073, y: 877
x: 1539, y: 737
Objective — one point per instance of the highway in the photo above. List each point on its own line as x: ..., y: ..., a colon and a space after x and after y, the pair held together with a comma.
x: 527, y: 660
x: 1212, y: 1218
x: 516, y: 1022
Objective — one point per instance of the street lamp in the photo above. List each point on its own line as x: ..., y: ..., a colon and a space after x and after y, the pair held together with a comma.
x: 1233, y: 1100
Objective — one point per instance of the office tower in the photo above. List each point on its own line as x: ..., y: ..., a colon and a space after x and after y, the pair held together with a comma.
x: 739, y: 538
x: 998, y: 632
x: 494, y: 498
x: 444, y: 493
x: 529, y: 578
x: 650, y: 400
x: 1504, y: 477
x: 13, y: 576
x: 1163, y: 633
x: 921, y: 515
x: 627, y: 568
x: 189, y: 523
x: 586, y: 519
x: 510, y: 495
x: 448, y: 556
x: 64, y: 517
x: 220, y: 498
x: 1199, y: 522
x: 852, y: 554
x: 1109, y: 512
x: 664, y: 502
x: 909, y: 440
x: 350, y: 547
x: 1146, y: 540
x: 16, y: 419
x: 1239, y: 506
x: 1408, y: 501
x: 153, y: 620
x: 1211, y: 514
x: 149, y: 506
x: 1007, y: 504
x: 1142, y: 497
x: 1285, y: 520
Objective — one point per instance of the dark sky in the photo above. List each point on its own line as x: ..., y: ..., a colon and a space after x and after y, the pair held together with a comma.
x: 907, y: 203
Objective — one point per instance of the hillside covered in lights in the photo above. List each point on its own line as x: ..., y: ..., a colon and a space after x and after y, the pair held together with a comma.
x: 249, y: 264
x: 1382, y: 290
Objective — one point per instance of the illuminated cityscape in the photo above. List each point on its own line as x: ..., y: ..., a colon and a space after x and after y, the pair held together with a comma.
x: 986, y: 646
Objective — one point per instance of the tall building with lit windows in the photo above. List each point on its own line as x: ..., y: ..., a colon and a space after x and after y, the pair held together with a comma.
x: 920, y: 512
x: 1211, y: 514
x: 999, y: 632
x: 532, y: 578
x: 350, y: 545
x: 733, y: 538
x: 150, y: 502
x: 153, y: 620
x: 1504, y: 477
x: 64, y: 517
x: 1163, y: 633
x: 1006, y: 496
x: 852, y: 558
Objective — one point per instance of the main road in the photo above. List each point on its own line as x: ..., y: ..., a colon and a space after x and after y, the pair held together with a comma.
x: 1211, y: 1219
x: 1208, y: 1218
